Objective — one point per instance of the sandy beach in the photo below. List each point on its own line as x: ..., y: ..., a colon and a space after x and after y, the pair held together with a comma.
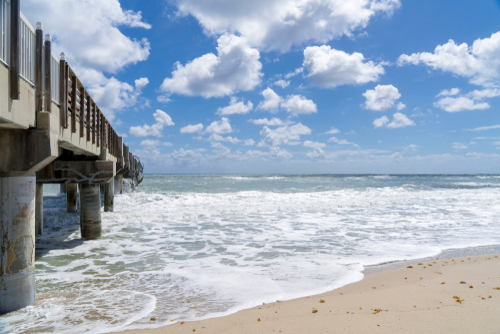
x: 441, y: 295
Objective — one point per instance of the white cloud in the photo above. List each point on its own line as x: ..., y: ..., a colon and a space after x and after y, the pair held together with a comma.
x: 235, y: 107
x: 317, y: 153
x: 282, y: 83
x: 100, y: 45
x: 161, y: 119
x: 459, y: 146
x: 163, y: 99
x: 294, y: 73
x: 283, y: 135
x: 217, y: 137
x: 192, y: 128
x: 149, y: 142
x: 483, y: 128
x: 299, y: 105
x: 280, y: 153
x: 454, y: 104
x: 399, y: 121
x: 411, y: 147
x: 265, y: 121
x: 401, y: 106
x: 330, y: 68
x: 313, y: 144
x: 220, y: 127
x: 279, y: 24
x: 167, y: 144
x: 341, y: 141
x: 219, y: 146
x: 249, y: 142
x: 451, y: 92
x: 332, y: 131
x: 382, y: 98
x: 235, y: 68
x: 271, y: 100
x: 480, y: 62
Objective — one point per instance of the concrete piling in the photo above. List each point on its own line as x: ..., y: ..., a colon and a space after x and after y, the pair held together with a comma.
x: 119, y: 182
x: 39, y: 210
x: 71, y: 197
x: 109, y: 196
x: 17, y: 244
x: 90, y: 211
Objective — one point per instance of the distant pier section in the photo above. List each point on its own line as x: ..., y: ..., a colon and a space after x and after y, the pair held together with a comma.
x: 51, y: 131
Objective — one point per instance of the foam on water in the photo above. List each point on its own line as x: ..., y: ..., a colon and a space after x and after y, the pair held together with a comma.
x: 192, y: 247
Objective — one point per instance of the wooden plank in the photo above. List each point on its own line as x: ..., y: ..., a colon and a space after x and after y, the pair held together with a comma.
x: 98, y: 126
x: 82, y: 111
x: 89, y: 105
x: 15, y: 26
x: 48, y: 85
x: 73, y: 104
x: 63, y: 97
x: 38, y: 70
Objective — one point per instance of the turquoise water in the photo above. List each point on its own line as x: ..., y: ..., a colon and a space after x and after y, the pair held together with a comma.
x: 186, y: 247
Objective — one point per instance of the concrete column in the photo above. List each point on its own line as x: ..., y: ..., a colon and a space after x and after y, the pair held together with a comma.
x: 119, y: 182
x: 71, y: 197
x: 39, y: 209
x: 90, y: 211
x: 109, y: 196
x: 17, y: 244
x: 62, y: 188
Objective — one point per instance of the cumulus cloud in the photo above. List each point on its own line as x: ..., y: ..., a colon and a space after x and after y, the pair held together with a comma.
x: 163, y: 99
x: 401, y: 106
x: 282, y: 83
x: 220, y: 127
x: 192, y: 128
x: 271, y: 100
x: 313, y: 144
x: 294, y: 104
x: 299, y: 105
x: 332, y: 131
x: 452, y: 104
x: 329, y: 68
x: 280, y: 153
x: 217, y: 137
x: 479, y: 62
x: 279, y: 24
x: 459, y: 146
x: 265, y: 121
x: 161, y: 119
x: 399, y: 120
x: 282, y: 135
x: 341, y: 141
x: 100, y: 44
x: 235, y: 68
x: 235, y: 107
x: 249, y: 142
x: 381, y: 98
x: 451, y: 92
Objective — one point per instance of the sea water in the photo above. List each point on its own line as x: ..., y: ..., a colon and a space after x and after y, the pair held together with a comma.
x: 189, y: 247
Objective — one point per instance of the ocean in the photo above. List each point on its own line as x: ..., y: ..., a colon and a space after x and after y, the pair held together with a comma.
x: 190, y: 247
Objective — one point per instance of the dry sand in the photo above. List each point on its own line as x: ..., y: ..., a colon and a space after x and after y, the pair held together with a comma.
x: 428, y: 298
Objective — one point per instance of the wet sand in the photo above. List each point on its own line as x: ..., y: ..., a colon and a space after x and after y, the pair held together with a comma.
x: 435, y: 295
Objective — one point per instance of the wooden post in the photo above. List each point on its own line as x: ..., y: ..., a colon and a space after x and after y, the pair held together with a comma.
x: 48, y: 83
x: 15, y: 61
x: 93, y: 122
x: 63, y: 96
x: 73, y: 103
x: 97, y: 126
x: 82, y: 111
x: 89, y: 105
x: 39, y: 67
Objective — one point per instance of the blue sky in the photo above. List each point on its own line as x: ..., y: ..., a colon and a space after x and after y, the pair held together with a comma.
x: 290, y: 86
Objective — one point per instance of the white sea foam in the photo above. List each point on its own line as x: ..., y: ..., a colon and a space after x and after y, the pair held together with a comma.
x: 186, y: 255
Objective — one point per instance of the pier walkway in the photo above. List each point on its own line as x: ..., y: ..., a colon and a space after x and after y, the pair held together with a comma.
x: 51, y: 131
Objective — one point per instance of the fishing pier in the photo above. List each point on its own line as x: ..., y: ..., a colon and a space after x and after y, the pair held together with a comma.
x: 51, y: 132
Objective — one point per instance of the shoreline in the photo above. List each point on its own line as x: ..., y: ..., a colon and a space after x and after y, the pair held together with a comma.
x: 243, y: 321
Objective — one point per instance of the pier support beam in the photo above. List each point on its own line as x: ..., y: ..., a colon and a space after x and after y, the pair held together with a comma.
x: 119, y: 183
x: 71, y: 197
x: 39, y: 209
x: 62, y: 188
x: 17, y: 244
x: 109, y: 196
x: 90, y: 211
